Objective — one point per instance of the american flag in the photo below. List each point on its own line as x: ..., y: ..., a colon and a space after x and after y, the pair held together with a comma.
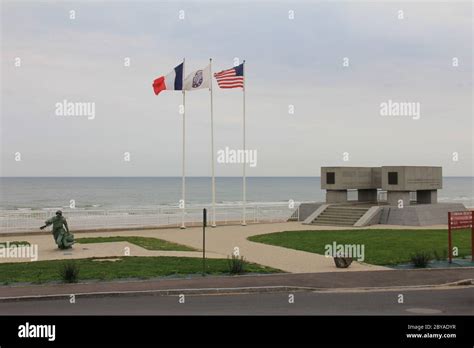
x: 231, y: 78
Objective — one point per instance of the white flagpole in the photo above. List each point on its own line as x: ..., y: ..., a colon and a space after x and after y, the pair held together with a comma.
x: 244, y: 188
x: 212, y: 151
x: 183, y: 180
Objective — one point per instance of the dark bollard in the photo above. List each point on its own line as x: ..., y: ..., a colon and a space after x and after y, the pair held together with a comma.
x: 204, y: 224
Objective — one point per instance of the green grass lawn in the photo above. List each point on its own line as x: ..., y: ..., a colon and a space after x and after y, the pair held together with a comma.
x: 125, y: 267
x: 144, y: 242
x: 382, y: 247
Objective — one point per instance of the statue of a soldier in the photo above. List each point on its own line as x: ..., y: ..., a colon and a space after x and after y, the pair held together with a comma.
x: 63, y: 238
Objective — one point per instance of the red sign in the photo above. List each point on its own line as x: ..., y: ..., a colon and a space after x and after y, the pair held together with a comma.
x: 460, y: 219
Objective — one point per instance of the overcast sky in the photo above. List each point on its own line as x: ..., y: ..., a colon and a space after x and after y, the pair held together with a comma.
x: 288, y: 62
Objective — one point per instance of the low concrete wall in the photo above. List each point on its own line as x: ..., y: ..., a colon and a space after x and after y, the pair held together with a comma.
x: 306, y: 209
x: 419, y: 215
x: 371, y: 217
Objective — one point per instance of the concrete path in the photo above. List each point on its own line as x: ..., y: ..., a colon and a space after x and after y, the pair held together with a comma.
x: 48, y: 251
x: 224, y: 240
x: 220, y: 243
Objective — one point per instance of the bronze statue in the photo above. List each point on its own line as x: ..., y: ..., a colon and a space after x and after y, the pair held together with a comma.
x: 63, y: 238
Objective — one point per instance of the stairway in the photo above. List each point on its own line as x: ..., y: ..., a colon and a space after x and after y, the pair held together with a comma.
x: 340, y: 215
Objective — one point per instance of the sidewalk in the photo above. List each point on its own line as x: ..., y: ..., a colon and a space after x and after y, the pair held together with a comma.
x: 203, y: 285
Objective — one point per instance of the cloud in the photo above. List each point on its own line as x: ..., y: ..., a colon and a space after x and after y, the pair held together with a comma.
x: 295, y: 62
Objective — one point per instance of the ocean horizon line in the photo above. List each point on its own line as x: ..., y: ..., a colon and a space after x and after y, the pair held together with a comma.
x: 188, y: 176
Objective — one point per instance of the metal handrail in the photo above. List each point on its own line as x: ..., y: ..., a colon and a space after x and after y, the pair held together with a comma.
x: 78, y: 219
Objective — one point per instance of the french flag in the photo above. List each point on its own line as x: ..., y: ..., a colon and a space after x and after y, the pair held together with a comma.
x: 173, y: 81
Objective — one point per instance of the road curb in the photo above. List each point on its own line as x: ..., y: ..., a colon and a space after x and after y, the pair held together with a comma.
x: 459, y: 283
x: 167, y: 292
x: 229, y: 291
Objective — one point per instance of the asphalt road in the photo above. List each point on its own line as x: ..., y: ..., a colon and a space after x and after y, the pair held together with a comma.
x: 423, y: 302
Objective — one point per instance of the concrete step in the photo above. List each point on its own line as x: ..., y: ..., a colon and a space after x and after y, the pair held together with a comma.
x: 349, y: 222
x: 335, y: 213
x: 340, y: 216
x: 337, y: 217
x: 331, y: 224
x: 346, y: 209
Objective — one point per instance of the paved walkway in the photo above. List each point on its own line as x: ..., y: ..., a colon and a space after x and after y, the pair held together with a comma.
x: 48, y: 251
x: 220, y: 243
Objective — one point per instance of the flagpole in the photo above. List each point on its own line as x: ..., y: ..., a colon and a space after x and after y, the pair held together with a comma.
x: 212, y: 151
x: 244, y: 179
x: 183, y: 179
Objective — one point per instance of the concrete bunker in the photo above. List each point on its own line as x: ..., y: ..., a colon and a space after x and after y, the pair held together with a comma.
x: 394, y: 183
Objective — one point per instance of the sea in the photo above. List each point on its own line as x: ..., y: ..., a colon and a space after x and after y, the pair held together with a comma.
x: 94, y: 193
